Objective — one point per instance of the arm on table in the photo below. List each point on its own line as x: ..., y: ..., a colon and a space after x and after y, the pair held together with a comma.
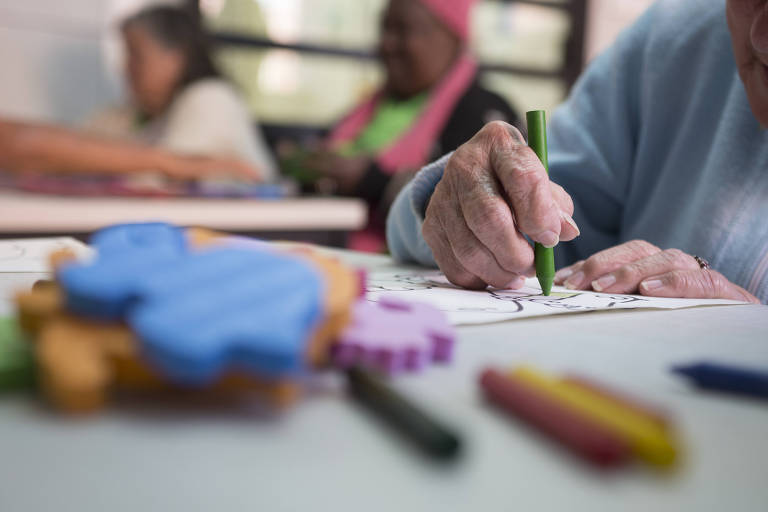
x: 36, y: 147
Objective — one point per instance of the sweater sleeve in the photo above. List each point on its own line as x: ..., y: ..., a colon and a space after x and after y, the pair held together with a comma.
x: 593, y: 138
x: 407, y: 215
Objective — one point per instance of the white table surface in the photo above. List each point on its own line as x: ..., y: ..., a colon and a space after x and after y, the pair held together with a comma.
x: 38, y: 213
x: 327, y: 454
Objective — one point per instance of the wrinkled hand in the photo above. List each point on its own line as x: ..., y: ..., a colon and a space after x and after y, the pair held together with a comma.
x: 493, y: 191
x: 639, y: 266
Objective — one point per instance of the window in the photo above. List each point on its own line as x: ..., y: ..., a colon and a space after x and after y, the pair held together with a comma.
x: 276, y: 51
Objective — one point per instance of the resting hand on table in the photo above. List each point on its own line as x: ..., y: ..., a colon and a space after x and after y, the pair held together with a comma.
x: 199, y: 167
x: 493, y: 192
x: 639, y: 266
x: 346, y: 172
x: 47, y: 148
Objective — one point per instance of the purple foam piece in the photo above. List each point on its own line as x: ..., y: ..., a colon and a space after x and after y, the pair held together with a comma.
x: 362, y: 278
x: 394, y: 336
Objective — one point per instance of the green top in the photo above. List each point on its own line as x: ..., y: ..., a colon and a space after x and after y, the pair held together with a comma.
x: 537, y: 140
x: 391, y: 120
x: 16, y: 358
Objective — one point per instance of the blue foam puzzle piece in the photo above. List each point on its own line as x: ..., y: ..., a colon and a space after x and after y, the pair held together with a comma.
x: 200, y: 313
x: 156, y: 236
x: 243, y: 309
x: 105, y: 289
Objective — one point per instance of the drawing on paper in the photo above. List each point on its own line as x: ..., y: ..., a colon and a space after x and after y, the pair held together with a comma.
x: 515, y: 299
x: 468, y: 306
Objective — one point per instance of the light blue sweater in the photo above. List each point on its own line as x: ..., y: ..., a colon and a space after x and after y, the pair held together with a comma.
x: 656, y: 142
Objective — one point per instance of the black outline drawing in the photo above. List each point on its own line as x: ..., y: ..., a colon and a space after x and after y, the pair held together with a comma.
x: 517, y: 299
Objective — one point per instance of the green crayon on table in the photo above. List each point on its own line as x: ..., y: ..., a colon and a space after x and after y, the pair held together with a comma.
x: 400, y: 413
x: 17, y: 367
x: 537, y: 140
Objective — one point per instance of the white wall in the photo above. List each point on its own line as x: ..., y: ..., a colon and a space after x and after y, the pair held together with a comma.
x: 607, y: 18
x: 52, y: 57
x: 51, y: 65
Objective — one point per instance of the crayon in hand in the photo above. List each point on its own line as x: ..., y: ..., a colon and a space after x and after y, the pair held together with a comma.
x: 537, y: 140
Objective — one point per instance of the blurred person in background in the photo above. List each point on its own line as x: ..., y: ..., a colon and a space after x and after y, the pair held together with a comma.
x: 180, y: 100
x: 187, y: 123
x: 431, y: 103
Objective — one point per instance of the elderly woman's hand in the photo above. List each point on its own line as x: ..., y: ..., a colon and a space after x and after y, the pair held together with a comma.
x: 493, y: 192
x: 639, y: 266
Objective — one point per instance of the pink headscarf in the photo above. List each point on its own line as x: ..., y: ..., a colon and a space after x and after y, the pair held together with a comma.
x: 413, y: 148
x: 454, y: 13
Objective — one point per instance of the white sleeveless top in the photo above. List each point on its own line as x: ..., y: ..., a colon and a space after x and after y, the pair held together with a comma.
x: 207, y: 118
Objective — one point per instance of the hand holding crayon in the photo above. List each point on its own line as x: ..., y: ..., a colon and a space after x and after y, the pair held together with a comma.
x: 494, y: 196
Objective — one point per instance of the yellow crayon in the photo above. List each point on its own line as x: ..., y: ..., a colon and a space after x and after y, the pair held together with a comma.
x: 654, y: 414
x: 647, y: 439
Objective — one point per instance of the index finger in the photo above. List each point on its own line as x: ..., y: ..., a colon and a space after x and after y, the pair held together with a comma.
x: 526, y: 186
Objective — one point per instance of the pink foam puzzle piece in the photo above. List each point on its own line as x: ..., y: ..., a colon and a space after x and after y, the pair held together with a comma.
x: 394, y: 336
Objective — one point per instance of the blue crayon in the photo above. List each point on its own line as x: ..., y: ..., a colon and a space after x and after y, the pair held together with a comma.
x: 730, y: 379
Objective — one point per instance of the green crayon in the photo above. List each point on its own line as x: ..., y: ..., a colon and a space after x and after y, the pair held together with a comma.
x: 537, y: 140
x: 16, y: 359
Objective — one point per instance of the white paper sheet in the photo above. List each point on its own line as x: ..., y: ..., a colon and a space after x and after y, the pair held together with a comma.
x: 32, y: 255
x: 477, y: 307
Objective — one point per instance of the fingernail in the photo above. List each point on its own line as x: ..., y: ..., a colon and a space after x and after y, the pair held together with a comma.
x: 604, y: 282
x: 563, y: 274
x: 574, y: 281
x: 653, y: 284
x: 567, y: 218
x: 549, y: 239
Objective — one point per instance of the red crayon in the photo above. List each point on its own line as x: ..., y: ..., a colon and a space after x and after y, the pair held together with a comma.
x: 580, y: 434
x: 633, y: 404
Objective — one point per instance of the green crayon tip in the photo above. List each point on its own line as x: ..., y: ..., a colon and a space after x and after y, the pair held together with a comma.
x: 537, y: 140
x: 545, y: 267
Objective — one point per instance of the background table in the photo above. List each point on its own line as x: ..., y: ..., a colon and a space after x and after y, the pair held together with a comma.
x: 319, y: 220
x: 327, y: 454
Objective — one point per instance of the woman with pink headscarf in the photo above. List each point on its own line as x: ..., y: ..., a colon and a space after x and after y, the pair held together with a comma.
x: 430, y: 103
